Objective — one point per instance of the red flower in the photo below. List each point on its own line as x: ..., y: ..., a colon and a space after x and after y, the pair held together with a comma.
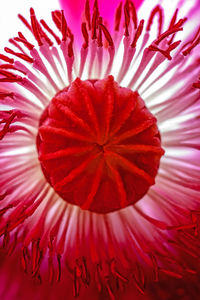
x: 82, y: 133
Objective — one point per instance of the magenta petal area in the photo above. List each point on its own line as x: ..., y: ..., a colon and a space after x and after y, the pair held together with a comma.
x: 74, y: 12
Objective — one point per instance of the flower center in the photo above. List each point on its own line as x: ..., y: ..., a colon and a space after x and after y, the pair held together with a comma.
x: 98, y: 145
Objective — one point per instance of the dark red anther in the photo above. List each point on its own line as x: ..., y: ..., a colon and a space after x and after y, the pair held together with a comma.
x: 96, y: 5
x: 38, y: 279
x: 50, y: 243
x: 3, y: 210
x: 13, y: 244
x: 155, y: 267
x: 56, y: 16
x: 11, y: 79
x: 167, y: 51
x: 134, y: 13
x: 77, y: 284
x: 2, y: 196
x: 23, y: 40
x: 11, y: 67
x: 6, y: 58
x: 127, y: 17
x: 87, y: 14
x: 167, y: 33
x: 39, y: 261
x: 180, y: 22
x: 138, y: 33
x: 44, y: 35
x: 6, y: 238
x: 70, y: 46
x: 171, y: 25
x: 26, y: 23
x: 25, y: 258
x: 59, y: 267
x: 139, y: 278
x: 156, y: 10
x: 15, y: 44
x: 196, y: 85
x: 118, y: 16
x: 94, y: 23
x: 107, y: 35
x: 35, y: 29
x: 85, y: 35
x: 7, y: 122
x: 82, y: 271
x: 26, y: 44
x: 20, y: 34
x: 44, y: 24
x: 100, y: 41
x: 20, y: 55
x: 173, y: 20
x: 35, y: 255
x: 2, y: 96
x: 85, y: 272
x: 97, y: 276
x: 191, y: 47
x: 116, y: 273
x: 139, y: 286
x: 173, y: 46
x: 63, y: 27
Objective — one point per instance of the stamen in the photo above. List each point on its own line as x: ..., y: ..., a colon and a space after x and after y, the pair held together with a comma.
x: 167, y: 33
x: 94, y: 23
x: 118, y: 15
x: 85, y: 35
x: 23, y: 40
x: 127, y: 17
x: 17, y: 45
x: 157, y: 10
x: 64, y: 27
x: 56, y: 15
x: 44, y: 24
x: 190, y: 48
x: 25, y: 22
x: 99, y: 40
x: 6, y: 58
x: 20, y: 55
x: 134, y: 13
x: 137, y: 34
x: 107, y: 35
x: 34, y: 24
x: 87, y: 13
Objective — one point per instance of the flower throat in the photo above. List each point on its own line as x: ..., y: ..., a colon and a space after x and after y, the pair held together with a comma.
x: 98, y: 145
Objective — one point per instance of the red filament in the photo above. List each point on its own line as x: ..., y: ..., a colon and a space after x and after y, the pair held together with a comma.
x: 98, y: 145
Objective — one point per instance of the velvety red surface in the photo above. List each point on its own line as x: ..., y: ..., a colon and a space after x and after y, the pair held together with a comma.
x: 99, y: 146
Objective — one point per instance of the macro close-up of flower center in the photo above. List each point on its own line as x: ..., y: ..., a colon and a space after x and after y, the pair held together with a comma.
x: 99, y: 151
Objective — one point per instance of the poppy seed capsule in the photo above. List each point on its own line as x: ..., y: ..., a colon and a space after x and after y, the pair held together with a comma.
x: 99, y: 146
